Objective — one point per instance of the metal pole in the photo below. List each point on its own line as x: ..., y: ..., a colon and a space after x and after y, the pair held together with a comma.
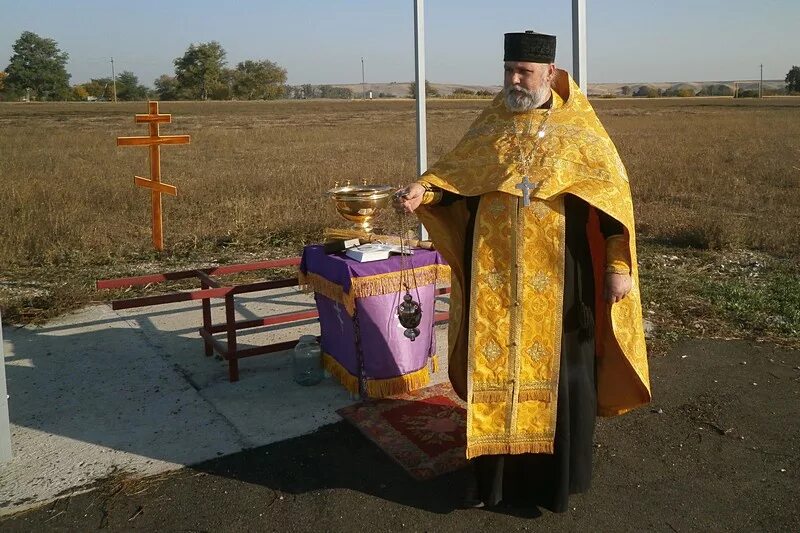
x: 5, y: 427
x: 363, y: 81
x: 579, y: 44
x: 114, y: 78
x: 419, y: 57
x: 761, y: 83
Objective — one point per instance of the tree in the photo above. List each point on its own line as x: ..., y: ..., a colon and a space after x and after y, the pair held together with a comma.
x: 166, y: 87
x: 716, y: 89
x: 39, y: 65
x: 128, y: 87
x: 793, y: 80
x: 308, y: 91
x: 199, y: 71
x: 258, y: 80
x: 329, y: 91
x: 648, y: 91
x: 3, y: 76
x: 429, y: 90
x: 100, y: 88
x: 79, y: 92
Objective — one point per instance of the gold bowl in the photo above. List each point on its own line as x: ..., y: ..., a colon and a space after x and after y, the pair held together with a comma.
x: 360, y: 203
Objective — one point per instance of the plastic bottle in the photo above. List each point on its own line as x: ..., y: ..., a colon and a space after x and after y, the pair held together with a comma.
x: 307, y: 361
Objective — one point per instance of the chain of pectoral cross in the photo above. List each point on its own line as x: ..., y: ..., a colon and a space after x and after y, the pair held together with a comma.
x: 525, y: 160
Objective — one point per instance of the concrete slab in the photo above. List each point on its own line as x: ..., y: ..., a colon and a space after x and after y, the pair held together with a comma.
x: 101, y: 392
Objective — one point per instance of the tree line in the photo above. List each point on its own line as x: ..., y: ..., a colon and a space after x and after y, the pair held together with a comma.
x: 37, y: 71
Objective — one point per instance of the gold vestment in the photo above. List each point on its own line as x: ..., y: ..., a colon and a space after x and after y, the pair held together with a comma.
x: 505, y: 361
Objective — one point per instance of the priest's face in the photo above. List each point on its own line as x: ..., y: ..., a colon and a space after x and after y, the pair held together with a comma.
x: 527, y: 85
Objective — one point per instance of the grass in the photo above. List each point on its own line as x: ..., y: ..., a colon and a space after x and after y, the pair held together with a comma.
x: 712, y: 179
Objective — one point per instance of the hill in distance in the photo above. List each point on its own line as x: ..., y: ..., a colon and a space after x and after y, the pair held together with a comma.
x: 401, y: 89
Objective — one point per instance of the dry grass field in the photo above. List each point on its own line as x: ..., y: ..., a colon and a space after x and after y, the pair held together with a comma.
x: 712, y: 179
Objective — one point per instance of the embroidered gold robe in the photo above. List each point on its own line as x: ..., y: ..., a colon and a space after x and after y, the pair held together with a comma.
x: 504, y: 351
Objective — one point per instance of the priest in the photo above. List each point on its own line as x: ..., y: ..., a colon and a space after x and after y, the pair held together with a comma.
x: 532, y: 210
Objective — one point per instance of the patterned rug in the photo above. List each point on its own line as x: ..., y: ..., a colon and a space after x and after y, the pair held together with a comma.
x: 424, y: 431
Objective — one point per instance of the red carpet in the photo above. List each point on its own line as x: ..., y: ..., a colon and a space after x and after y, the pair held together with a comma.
x: 424, y: 431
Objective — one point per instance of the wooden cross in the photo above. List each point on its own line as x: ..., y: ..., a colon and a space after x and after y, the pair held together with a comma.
x: 526, y: 187
x: 154, y: 142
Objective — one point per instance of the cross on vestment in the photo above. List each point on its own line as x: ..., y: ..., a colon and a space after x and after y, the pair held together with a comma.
x: 154, y: 142
x: 526, y: 186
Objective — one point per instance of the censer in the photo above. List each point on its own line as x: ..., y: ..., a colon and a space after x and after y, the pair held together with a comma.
x: 409, y: 312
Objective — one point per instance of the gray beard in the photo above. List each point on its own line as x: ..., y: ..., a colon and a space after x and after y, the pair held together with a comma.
x: 519, y: 100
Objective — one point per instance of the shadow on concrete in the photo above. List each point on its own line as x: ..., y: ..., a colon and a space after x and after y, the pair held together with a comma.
x: 337, y: 457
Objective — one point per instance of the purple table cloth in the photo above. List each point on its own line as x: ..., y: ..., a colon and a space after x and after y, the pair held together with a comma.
x: 362, y: 340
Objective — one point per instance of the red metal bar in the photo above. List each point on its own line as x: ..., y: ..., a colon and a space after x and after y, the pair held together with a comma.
x: 171, y: 298
x: 123, y: 283
x: 221, y: 348
x: 264, y: 285
x: 247, y: 267
x: 120, y: 283
x: 270, y: 348
x: 230, y: 322
x: 266, y: 321
x: 207, y: 281
x: 206, y: 305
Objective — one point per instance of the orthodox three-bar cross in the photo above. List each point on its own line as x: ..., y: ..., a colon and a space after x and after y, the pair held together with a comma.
x: 526, y: 187
x: 154, y: 142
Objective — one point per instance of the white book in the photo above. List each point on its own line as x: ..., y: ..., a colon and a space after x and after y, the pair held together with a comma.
x: 374, y: 252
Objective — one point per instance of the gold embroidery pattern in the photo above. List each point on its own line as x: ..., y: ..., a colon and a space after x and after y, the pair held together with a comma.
x: 497, y: 208
x: 540, y: 281
x: 537, y: 351
x: 539, y: 208
x: 492, y: 351
x: 494, y: 279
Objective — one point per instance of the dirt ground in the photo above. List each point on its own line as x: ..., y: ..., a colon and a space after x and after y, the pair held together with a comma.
x: 718, y: 450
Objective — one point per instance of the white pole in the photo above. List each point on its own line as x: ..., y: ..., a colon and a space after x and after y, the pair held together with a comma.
x: 5, y: 428
x: 419, y: 57
x: 114, y: 77
x: 579, y: 44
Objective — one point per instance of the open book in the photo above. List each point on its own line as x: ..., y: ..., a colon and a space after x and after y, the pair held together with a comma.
x: 374, y: 251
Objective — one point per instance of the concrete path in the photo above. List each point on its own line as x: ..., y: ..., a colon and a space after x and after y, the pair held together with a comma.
x: 99, y: 393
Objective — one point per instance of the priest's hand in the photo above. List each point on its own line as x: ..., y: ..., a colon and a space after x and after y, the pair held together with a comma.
x: 617, y: 286
x: 407, y: 200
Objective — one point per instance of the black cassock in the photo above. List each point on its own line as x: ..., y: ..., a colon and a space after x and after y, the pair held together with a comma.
x: 547, y: 480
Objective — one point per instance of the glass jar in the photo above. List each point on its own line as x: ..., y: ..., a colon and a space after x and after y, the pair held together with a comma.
x: 307, y: 361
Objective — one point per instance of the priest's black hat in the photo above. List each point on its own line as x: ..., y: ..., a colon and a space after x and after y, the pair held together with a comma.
x: 530, y: 46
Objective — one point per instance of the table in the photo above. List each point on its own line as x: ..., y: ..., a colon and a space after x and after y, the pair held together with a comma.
x: 362, y: 340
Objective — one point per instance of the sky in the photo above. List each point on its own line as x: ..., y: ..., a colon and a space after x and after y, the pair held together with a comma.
x: 323, y: 41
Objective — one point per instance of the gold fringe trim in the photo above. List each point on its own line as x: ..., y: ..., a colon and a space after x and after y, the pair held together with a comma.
x: 434, y: 364
x: 541, y: 395
x: 381, y: 388
x: 367, y: 286
x: 508, y: 448
x: 349, y: 381
x: 377, y: 388
x: 389, y: 283
x: 489, y: 396
x: 314, y: 282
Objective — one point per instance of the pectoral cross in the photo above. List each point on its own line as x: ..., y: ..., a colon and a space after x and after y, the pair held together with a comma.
x: 154, y: 142
x: 526, y: 187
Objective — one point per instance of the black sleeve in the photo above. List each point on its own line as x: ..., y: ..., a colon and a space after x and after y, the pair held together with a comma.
x: 610, y: 226
x: 449, y: 198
